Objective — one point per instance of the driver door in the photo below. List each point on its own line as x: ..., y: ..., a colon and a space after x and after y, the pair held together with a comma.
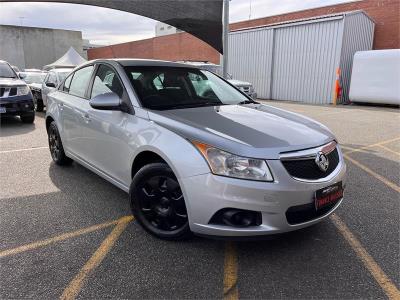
x: 104, y: 132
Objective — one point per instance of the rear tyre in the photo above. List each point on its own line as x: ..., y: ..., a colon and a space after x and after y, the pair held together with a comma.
x: 157, y: 202
x: 28, y: 118
x: 39, y: 105
x: 56, y: 147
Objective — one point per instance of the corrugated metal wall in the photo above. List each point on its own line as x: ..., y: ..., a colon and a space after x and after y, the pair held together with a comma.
x: 250, y: 58
x: 358, y: 35
x: 298, y: 61
x: 306, y: 59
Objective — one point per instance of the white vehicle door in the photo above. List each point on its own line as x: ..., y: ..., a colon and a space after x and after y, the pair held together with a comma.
x: 51, y: 79
x: 74, y: 105
x: 105, y: 134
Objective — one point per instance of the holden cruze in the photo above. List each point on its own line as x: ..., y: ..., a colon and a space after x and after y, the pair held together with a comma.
x: 196, y: 154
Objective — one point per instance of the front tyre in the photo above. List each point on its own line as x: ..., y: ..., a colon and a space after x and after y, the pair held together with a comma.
x: 56, y: 147
x: 39, y: 105
x: 157, y: 202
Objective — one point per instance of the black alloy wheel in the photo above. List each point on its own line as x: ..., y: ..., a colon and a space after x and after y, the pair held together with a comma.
x: 56, y: 147
x: 158, y: 203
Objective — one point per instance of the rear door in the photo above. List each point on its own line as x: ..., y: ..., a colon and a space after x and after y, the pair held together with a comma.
x: 74, y: 105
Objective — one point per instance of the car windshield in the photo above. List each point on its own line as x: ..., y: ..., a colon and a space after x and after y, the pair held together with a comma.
x: 63, y: 75
x: 6, y: 71
x: 34, y: 77
x: 163, y: 88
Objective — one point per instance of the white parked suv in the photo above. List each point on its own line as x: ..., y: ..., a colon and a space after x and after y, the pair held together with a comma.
x: 194, y: 153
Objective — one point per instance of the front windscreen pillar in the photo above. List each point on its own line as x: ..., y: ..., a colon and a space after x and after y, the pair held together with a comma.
x: 225, y: 39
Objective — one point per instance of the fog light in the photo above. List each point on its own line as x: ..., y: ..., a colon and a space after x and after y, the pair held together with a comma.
x: 236, y: 217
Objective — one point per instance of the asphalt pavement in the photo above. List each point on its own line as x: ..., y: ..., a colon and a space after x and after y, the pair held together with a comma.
x: 67, y: 233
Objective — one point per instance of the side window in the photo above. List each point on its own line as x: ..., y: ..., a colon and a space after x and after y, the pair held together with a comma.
x: 52, y: 78
x: 80, y: 81
x: 67, y: 83
x: 106, y: 81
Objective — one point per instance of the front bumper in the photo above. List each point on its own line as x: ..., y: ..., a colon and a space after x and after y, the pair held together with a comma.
x: 17, y: 105
x: 206, y: 194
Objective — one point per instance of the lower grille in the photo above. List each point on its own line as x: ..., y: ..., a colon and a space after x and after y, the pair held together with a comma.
x: 307, y: 212
x: 308, y: 169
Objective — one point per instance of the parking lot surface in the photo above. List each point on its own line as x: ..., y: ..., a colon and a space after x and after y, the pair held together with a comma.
x: 67, y: 233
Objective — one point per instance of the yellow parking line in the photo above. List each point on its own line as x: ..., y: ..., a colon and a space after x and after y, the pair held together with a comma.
x: 353, y: 149
x: 230, y: 272
x: 75, y: 286
x: 388, y: 149
x: 381, y: 278
x: 389, y: 183
x: 25, y: 149
x: 58, y: 238
x: 373, y: 145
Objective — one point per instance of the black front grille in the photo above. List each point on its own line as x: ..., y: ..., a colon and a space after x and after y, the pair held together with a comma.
x: 308, y: 169
x: 10, y: 91
x: 307, y: 212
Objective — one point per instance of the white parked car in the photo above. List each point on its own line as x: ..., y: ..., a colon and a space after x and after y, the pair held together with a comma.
x: 34, y: 79
x: 53, y: 78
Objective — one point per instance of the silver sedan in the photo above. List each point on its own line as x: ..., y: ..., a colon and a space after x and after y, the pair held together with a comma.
x: 195, y: 154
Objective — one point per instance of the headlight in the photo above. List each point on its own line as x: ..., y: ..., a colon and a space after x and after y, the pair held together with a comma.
x: 23, y: 90
x: 230, y: 165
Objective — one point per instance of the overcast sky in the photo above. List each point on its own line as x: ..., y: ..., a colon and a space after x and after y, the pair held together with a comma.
x: 105, y: 26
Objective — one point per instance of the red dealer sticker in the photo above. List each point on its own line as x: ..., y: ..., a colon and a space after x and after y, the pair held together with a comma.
x: 328, y: 195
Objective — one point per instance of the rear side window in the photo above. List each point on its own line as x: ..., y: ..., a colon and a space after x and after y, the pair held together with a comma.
x: 106, y: 81
x: 67, y: 84
x: 80, y: 81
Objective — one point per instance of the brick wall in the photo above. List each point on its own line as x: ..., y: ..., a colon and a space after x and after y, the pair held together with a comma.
x: 385, y: 13
x: 182, y: 46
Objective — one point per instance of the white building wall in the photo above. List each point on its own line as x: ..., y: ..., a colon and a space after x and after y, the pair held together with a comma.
x: 30, y: 47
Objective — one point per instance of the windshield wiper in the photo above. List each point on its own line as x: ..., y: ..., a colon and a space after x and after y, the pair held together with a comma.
x: 248, y: 102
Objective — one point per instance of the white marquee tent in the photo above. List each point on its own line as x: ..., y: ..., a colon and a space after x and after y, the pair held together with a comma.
x: 70, y: 59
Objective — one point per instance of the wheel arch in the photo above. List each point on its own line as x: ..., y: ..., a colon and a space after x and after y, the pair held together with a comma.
x: 143, y: 158
x: 49, y: 119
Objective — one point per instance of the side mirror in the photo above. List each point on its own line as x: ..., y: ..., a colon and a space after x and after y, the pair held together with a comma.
x: 51, y: 84
x: 21, y: 76
x: 107, y: 101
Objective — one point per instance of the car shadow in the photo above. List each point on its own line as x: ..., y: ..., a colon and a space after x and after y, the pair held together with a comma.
x: 10, y: 126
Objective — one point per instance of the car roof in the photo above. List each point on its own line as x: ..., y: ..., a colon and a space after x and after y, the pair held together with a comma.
x: 130, y: 62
